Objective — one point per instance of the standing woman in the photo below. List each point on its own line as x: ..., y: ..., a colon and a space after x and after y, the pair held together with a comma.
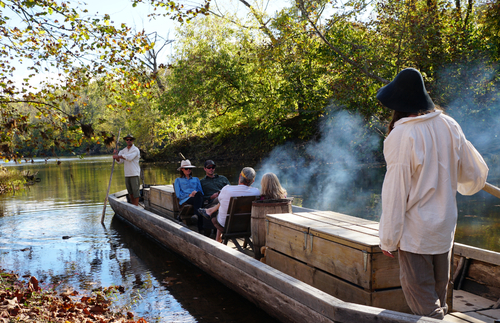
x: 428, y: 159
x: 188, y: 190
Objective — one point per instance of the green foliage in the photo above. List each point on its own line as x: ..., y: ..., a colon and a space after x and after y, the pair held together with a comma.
x: 258, y: 77
x: 10, y: 180
x: 47, y: 36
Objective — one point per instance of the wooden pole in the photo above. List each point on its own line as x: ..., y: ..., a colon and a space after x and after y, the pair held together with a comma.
x: 493, y: 190
x: 110, y: 177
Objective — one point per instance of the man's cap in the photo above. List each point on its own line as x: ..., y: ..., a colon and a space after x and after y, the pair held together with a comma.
x: 128, y: 136
x: 209, y: 162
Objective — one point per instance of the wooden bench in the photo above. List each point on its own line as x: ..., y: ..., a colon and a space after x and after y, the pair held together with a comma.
x: 186, y: 211
x: 238, y: 221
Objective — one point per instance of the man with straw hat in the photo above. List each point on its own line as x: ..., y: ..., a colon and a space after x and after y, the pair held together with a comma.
x: 428, y: 160
x: 130, y: 156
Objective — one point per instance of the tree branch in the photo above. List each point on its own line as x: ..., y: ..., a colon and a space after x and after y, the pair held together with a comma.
x: 337, y: 50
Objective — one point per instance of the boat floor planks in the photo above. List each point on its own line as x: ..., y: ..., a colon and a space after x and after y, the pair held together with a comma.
x: 282, y: 296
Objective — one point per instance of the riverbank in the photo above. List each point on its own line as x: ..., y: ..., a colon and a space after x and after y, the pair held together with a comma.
x: 10, y: 180
x: 25, y: 301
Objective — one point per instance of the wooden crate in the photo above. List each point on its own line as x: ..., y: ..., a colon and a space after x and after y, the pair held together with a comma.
x: 391, y: 299
x: 336, y: 253
x: 337, y: 244
x: 162, y: 200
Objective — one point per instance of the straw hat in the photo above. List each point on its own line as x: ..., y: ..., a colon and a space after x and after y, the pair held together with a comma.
x: 186, y: 164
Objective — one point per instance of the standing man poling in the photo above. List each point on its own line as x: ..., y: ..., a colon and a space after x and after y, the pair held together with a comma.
x: 130, y: 156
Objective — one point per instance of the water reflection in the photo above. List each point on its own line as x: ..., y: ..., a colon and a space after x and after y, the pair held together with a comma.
x: 52, y: 230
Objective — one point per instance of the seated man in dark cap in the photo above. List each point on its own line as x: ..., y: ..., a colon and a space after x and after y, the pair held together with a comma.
x: 130, y: 156
x: 212, y: 183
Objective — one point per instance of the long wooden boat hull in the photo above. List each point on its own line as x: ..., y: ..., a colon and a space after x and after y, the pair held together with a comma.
x: 282, y: 296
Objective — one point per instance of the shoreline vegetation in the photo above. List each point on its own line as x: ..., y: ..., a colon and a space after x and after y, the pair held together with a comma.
x: 25, y: 301
x: 10, y: 180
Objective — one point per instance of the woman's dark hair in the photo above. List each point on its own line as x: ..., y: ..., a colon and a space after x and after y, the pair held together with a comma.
x: 182, y: 173
x: 396, y: 115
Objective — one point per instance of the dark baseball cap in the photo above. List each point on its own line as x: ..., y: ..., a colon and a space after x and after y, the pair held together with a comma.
x: 209, y: 162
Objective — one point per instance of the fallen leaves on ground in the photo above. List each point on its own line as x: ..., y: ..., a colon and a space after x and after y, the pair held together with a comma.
x: 22, y: 301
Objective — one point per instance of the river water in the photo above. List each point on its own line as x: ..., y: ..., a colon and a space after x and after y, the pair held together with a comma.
x: 52, y: 230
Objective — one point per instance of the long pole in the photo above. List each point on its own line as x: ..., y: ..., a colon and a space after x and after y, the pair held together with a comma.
x: 110, y: 177
x: 493, y: 190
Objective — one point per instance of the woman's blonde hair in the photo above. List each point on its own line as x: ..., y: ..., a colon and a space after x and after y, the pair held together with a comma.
x: 271, y: 188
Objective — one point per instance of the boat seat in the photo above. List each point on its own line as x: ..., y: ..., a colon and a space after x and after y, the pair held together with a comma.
x: 186, y: 211
x: 238, y: 221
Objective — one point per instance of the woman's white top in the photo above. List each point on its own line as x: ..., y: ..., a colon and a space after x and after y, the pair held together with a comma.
x: 428, y: 159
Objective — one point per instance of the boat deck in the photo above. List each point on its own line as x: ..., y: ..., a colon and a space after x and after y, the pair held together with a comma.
x: 472, y: 308
x: 467, y: 307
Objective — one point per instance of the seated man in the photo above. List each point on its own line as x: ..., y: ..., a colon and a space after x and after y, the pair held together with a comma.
x: 246, y: 179
x: 212, y: 183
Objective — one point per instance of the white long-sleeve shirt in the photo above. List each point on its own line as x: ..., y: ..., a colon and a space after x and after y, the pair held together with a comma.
x: 131, y: 163
x: 428, y: 159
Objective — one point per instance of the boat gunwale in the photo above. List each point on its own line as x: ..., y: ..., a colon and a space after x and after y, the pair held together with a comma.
x: 328, y: 307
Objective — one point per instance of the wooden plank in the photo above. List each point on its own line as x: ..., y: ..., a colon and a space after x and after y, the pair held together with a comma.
x: 342, y: 252
x: 339, y: 260
x: 488, y: 256
x: 348, y: 237
x: 392, y: 299
x: 385, y: 271
x: 280, y: 295
x: 163, y: 198
x: 344, y: 217
x: 294, y: 221
x: 367, y: 228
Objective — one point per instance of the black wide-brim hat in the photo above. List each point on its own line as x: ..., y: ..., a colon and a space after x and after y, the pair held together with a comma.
x: 128, y: 136
x: 406, y: 93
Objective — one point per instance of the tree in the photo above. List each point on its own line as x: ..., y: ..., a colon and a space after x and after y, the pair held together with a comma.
x: 48, y: 36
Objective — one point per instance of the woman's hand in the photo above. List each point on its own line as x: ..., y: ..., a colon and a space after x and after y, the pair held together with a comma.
x: 193, y: 193
x: 388, y: 253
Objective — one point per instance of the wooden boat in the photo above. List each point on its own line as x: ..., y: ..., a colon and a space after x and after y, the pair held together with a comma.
x: 291, y: 300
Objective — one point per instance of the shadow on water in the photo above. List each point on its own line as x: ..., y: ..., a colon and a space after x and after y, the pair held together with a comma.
x: 197, y: 292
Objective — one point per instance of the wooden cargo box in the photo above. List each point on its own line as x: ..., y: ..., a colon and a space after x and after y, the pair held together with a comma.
x: 163, y: 200
x: 336, y: 253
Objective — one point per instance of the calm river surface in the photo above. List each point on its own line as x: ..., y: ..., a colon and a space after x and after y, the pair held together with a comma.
x: 52, y: 230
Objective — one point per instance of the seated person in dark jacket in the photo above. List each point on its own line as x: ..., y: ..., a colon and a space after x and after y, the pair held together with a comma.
x: 212, y: 183
x: 189, y: 191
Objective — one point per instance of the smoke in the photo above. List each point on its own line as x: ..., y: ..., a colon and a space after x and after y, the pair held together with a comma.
x: 473, y: 91
x: 324, y: 172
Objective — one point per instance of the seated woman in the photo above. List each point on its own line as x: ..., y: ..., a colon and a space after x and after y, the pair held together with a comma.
x: 270, y: 188
x: 188, y: 190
